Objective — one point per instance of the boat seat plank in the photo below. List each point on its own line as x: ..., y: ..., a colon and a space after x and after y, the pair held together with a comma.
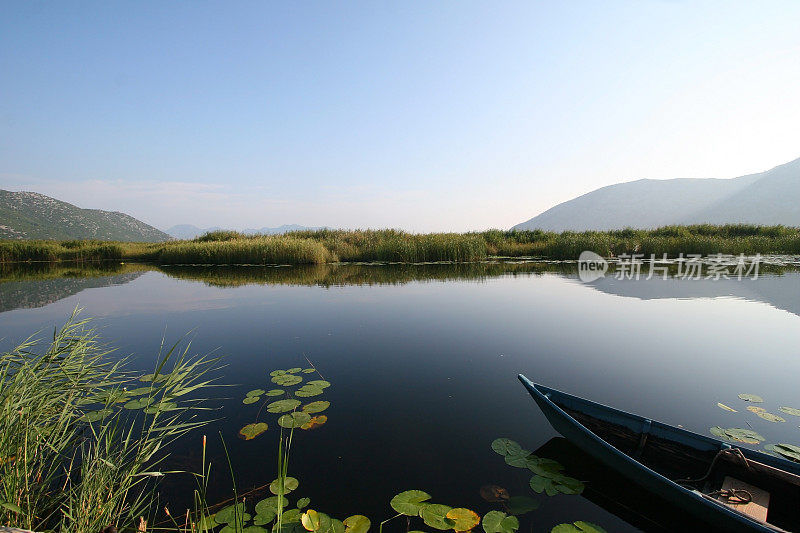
x: 757, y: 507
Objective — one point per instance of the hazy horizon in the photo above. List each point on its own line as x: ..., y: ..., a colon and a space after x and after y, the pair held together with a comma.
x: 426, y: 117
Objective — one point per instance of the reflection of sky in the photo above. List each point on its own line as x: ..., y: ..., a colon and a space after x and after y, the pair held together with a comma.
x: 425, y: 372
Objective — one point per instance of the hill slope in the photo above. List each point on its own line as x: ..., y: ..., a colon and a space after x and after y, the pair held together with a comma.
x: 30, y: 215
x: 771, y: 197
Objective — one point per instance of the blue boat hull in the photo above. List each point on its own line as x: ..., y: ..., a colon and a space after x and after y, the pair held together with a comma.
x: 701, y: 509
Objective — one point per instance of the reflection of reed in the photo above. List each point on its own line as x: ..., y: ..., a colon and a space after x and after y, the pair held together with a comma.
x: 328, y: 275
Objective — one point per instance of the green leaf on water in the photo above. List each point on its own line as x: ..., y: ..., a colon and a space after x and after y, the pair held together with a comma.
x: 139, y: 404
x: 770, y: 417
x: 141, y: 390
x: 356, y: 524
x: 321, y: 383
x: 292, y: 515
x: 160, y: 407
x: 283, y: 406
x: 274, y: 392
x: 94, y: 416
x: 228, y: 514
x: 310, y: 520
x: 554, y: 484
x: 746, y: 436
x: 463, y: 519
x: 409, y: 502
x: 247, y: 400
x: 303, y: 502
x: 294, y: 420
x: 256, y: 392
x: 787, y: 451
x: 294, y: 370
x: 790, y: 411
x: 316, y: 407
x: 264, y: 518
x: 276, y: 373
x: 726, y: 408
x: 751, y: 398
x: 306, y: 391
x: 254, y: 529
x: 308, y: 371
x: 519, y: 505
x: 499, y: 522
x: 519, y: 460
x: 578, y: 527
x: 251, y: 431
x: 543, y: 466
x: 506, y: 447
x: 287, y: 380
x: 289, y: 485
x: 435, y: 515
x: 270, y: 505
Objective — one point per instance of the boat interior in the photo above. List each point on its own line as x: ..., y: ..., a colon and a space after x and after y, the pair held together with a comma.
x: 764, y: 493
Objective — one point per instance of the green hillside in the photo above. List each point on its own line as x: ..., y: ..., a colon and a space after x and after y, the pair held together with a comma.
x: 30, y: 215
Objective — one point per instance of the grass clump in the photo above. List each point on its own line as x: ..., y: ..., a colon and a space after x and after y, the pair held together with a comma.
x: 71, y: 458
x: 254, y: 251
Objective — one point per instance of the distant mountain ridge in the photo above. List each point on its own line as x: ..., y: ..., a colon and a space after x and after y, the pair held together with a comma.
x: 30, y: 215
x: 767, y: 198
x: 189, y: 231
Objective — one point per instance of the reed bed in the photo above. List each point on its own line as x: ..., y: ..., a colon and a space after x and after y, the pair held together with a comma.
x: 327, y: 246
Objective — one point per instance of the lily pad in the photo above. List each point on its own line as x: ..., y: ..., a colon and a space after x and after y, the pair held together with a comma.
x: 95, y: 416
x: 276, y: 373
x: 770, y: 417
x: 409, y: 502
x: 310, y: 520
x: 247, y: 400
x: 294, y: 370
x: 506, y: 447
x: 787, y: 451
x: 289, y: 484
x: 256, y: 392
x: 578, y: 527
x: 321, y: 383
x: 229, y: 514
x: 308, y: 371
x: 264, y: 518
x: 294, y: 420
x: 519, y: 460
x: 270, y: 505
x: 139, y: 404
x: 303, y: 502
x: 463, y: 519
x: 356, y: 524
x: 251, y: 431
x: 292, y: 515
x: 751, y: 398
x: 557, y: 483
x: 756, y: 409
x: 274, y: 392
x: 315, y: 422
x: 287, y: 380
x: 306, y: 391
x: 499, y: 522
x: 519, y: 505
x: 494, y: 493
x: 726, y: 408
x: 283, y: 406
x: 160, y: 407
x: 790, y: 411
x: 435, y: 516
x: 746, y: 436
x: 316, y: 407
x: 140, y: 391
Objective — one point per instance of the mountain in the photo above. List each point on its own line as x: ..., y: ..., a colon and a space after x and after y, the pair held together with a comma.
x: 30, y: 215
x: 771, y: 197
x: 188, y: 231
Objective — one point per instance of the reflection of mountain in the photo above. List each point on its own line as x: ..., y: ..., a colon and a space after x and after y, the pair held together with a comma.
x: 779, y: 291
x: 45, y: 287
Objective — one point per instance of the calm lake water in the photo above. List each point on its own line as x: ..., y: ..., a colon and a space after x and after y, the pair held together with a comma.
x: 423, y: 362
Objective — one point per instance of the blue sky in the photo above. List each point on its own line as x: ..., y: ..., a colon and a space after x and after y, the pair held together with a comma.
x: 427, y: 116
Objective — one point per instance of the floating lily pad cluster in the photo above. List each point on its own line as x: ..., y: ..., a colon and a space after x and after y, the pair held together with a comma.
x: 578, y: 527
x: 415, y: 503
x: 748, y: 436
x: 155, y: 398
x: 237, y: 517
x: 548, y: 476
x: 285, y: 402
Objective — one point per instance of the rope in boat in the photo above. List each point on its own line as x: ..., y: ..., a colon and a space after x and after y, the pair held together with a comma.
x: 734, y: 496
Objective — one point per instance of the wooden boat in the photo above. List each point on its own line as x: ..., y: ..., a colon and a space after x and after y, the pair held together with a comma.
x: 715, y: 484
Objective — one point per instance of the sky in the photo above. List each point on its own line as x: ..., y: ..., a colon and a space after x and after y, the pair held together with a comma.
x: 424, y: 116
